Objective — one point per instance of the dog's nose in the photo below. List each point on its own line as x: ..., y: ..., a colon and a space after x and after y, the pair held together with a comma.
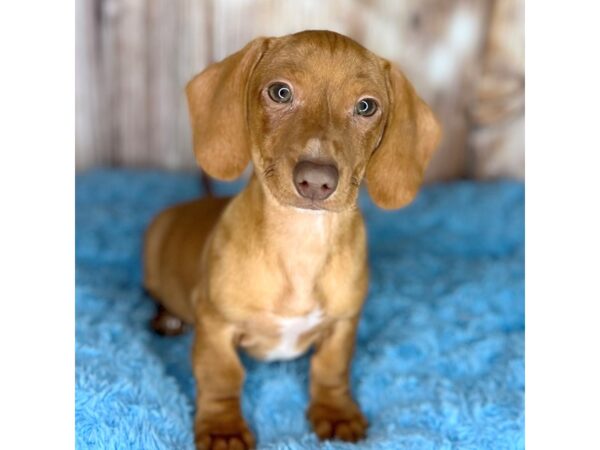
x: 315, y: 181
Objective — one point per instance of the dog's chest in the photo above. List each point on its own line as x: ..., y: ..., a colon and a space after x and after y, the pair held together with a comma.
x: 291, y: 329
x: 302, y: 254
x: 295, y: 312
x: 301, y: 270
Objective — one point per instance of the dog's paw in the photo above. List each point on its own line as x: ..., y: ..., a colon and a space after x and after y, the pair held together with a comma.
x: 219, y: 434
x: 166, y: 324
x: 344, y: 422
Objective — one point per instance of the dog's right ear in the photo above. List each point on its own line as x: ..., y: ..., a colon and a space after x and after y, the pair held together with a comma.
x: 217, y: 101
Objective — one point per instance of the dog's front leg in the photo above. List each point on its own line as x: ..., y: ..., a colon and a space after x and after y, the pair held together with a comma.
x: 332, y: 411
x: 219, y: 375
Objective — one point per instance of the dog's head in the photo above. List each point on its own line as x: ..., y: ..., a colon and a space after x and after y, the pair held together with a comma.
x: 316, y: 113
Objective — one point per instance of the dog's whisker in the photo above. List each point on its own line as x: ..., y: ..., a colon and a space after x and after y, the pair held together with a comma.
x: 269, y: 171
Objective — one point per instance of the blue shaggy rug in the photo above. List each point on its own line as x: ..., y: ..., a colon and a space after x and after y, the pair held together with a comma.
x: 439, y: 362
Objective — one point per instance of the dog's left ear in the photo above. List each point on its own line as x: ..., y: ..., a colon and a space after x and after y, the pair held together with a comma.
x: 217, y: 101
x: 412, y: 132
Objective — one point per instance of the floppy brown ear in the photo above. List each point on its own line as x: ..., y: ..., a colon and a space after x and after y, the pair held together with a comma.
x: 412, y: 132
x: 217, y: 100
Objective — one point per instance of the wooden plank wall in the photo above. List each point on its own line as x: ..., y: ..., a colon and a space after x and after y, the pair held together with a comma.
x: 134, y: 57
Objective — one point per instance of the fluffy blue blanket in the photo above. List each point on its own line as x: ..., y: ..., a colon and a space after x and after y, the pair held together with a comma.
x: 439, y: 362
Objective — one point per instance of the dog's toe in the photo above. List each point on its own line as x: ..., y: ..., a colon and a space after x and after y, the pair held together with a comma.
x: 335, y: 422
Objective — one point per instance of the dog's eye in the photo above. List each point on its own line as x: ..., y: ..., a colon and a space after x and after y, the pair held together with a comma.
x: 366, y: 107
x: 280, y: 93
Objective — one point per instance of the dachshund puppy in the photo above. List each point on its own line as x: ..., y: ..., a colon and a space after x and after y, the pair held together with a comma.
x: 282, y: 266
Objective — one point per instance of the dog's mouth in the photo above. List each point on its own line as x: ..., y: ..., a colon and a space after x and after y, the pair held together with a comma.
x: 311, y: 205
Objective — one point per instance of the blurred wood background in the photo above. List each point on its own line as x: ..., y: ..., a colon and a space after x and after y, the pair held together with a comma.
x: 134, y: 57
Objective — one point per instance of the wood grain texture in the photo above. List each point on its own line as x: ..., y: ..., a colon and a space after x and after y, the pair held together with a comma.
x: 134, y: 58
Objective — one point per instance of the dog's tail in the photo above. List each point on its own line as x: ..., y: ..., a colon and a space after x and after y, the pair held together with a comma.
x: 206, y: 184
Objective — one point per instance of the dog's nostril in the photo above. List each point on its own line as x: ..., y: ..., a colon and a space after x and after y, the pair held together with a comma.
x: 314, y: 180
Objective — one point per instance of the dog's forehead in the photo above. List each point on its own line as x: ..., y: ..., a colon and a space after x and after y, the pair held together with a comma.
x: 322, y: 55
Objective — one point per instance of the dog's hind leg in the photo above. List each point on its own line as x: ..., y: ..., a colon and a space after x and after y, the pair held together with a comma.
x: 167, y: 324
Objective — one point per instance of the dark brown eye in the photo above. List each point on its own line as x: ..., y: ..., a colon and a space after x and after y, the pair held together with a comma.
x: 366, y: 107
x: 280, y: 93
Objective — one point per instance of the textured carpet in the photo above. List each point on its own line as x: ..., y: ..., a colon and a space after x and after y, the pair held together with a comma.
x: 439, y: 362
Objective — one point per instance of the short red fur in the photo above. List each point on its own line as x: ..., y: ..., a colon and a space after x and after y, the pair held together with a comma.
x: 270, y: 271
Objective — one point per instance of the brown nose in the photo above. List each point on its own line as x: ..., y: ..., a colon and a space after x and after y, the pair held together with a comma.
x: 315, y: 181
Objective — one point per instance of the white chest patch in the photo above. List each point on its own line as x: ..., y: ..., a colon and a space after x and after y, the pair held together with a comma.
x: 291, y: 328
